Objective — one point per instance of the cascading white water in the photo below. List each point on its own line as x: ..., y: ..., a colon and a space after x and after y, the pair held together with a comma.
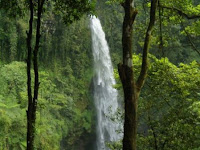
x: 105, y: 95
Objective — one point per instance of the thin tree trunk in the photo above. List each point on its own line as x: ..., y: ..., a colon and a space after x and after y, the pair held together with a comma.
x: 32, y: 100
x: 30, y: 125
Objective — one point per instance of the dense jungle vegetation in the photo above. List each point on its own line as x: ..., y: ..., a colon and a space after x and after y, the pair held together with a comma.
x: 169, y: 103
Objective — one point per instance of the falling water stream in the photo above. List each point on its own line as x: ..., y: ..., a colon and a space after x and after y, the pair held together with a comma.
x: 105, y: 95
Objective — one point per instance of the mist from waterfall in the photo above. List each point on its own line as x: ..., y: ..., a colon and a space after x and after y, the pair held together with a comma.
x: 105, y: 95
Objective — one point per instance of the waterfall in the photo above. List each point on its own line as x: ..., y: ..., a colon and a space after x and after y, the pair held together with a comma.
x: 105, y: 95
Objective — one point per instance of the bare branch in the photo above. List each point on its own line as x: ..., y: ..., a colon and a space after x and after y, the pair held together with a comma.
x: 181, y: 13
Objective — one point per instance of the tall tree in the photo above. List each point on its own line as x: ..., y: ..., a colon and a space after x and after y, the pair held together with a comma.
x: 131, y: 87
x: 32, y: 99
x: 74, y: 10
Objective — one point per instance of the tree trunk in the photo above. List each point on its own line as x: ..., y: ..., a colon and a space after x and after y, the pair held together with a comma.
x: 127, y: 78
x: 30, y: 123
x: 32, y: 100
x: 130, y: 97
x: 130, y: 87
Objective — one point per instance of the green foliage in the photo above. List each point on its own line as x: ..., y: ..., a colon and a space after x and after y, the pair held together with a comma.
x: 65, y: 111
x: 65, y: 70
x: 115, y: 145
x: 13, y: 8
x: 169, y: 113
x: 73, y: 10
x: 60, y: 117
x: 166, y: 111
x: 114, y: 1
x: 180, y: 36
x: 169, y: 38
x: 12, y: 115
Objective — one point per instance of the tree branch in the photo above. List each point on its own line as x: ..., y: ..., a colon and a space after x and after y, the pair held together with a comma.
x: 180, y: 12
x: 29, y: 55
x: 161, y: 45
x: 190, y: 40
x: 35, y: 61
x: 154, y: 134
x: 144, y: 68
